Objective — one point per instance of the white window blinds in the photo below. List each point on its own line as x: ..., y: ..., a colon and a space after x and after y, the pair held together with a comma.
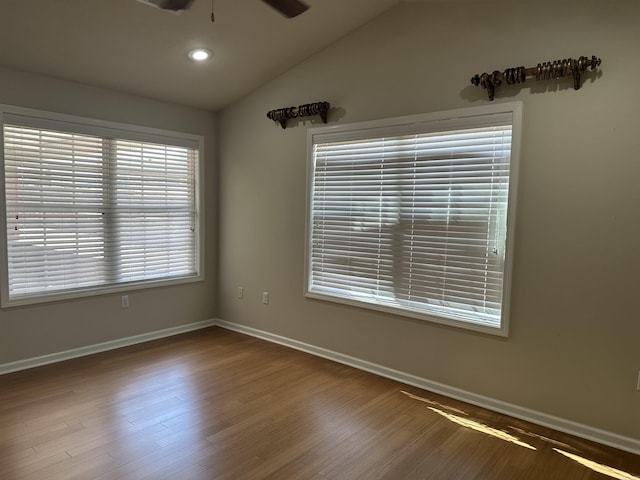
x: 92, y: 210
x: 154, y: 211
x: 412, y: 218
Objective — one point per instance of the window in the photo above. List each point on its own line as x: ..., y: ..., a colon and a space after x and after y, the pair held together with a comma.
x: 413, y: 215
x: 94, y: 207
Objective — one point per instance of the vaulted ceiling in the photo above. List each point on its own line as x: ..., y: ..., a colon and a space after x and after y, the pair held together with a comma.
x: 127, y: 46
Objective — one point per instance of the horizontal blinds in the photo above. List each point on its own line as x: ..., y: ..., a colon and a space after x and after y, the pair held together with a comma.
x: 54, y: 205
x: 414, y: 221
x: 85, y: 210
x: 155, y: 215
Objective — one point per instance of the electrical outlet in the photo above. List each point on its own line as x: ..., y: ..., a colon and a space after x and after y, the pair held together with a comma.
x: 241, y: 293
x: 125, y: 301
x: 265, y: 298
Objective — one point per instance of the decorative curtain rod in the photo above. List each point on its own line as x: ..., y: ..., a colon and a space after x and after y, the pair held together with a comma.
x: 283, y: 114
x: 543, y: 71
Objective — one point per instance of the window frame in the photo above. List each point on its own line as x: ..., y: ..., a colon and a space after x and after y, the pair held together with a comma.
x: 104, y: 128
x: 448, y: 120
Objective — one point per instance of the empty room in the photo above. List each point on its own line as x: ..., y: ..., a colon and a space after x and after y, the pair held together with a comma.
x: 319, y: 239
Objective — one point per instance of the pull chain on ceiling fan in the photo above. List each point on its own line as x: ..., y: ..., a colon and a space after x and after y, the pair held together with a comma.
x: 289, y: 8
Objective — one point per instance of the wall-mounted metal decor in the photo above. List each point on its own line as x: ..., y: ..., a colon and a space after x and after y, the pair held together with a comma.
x: 283, y: 114
x: 544, y: 71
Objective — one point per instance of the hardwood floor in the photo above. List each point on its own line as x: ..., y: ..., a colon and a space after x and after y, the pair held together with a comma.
x: 214, y: 404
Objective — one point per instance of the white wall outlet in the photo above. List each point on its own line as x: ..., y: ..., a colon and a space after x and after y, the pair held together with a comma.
x: 241, y: 293
x: 265, y: 298
x: 125, y: 301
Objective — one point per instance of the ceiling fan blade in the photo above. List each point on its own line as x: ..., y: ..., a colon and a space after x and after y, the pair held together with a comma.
x: 176, y: 4
x: 173, y: 5
x: 289, y: 8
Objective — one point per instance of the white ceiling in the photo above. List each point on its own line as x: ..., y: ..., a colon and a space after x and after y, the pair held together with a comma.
x: 130, y: 47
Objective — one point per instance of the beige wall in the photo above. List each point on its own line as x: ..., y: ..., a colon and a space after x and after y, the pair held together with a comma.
x: 27, y: 332
x: 574, y: 348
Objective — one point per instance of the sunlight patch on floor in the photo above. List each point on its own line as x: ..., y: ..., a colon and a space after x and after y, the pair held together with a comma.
x: 598, y: 467
x: 482, y: 428
x: 541, y: 437
x: 503, y: 435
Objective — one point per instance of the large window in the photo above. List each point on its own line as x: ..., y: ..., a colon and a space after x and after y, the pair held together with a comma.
x: 93, y: 207
x: 414, y: 215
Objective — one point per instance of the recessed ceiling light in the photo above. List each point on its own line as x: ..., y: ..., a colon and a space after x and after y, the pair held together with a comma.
x: 200, y: 54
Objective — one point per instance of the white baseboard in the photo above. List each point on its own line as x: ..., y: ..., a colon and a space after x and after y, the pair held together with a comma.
x: 573, y: 428
x: 101, y: 347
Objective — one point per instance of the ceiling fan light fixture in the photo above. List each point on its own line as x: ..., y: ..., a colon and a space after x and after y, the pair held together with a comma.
x: 200, y: 54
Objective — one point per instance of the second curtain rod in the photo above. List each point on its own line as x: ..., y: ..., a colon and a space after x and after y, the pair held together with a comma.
x: 543, y: 71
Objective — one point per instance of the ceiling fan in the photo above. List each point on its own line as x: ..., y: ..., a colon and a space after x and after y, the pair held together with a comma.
x: 289, y: 8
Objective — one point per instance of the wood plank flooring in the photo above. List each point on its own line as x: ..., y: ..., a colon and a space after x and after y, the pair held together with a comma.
x: 214, y: 404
